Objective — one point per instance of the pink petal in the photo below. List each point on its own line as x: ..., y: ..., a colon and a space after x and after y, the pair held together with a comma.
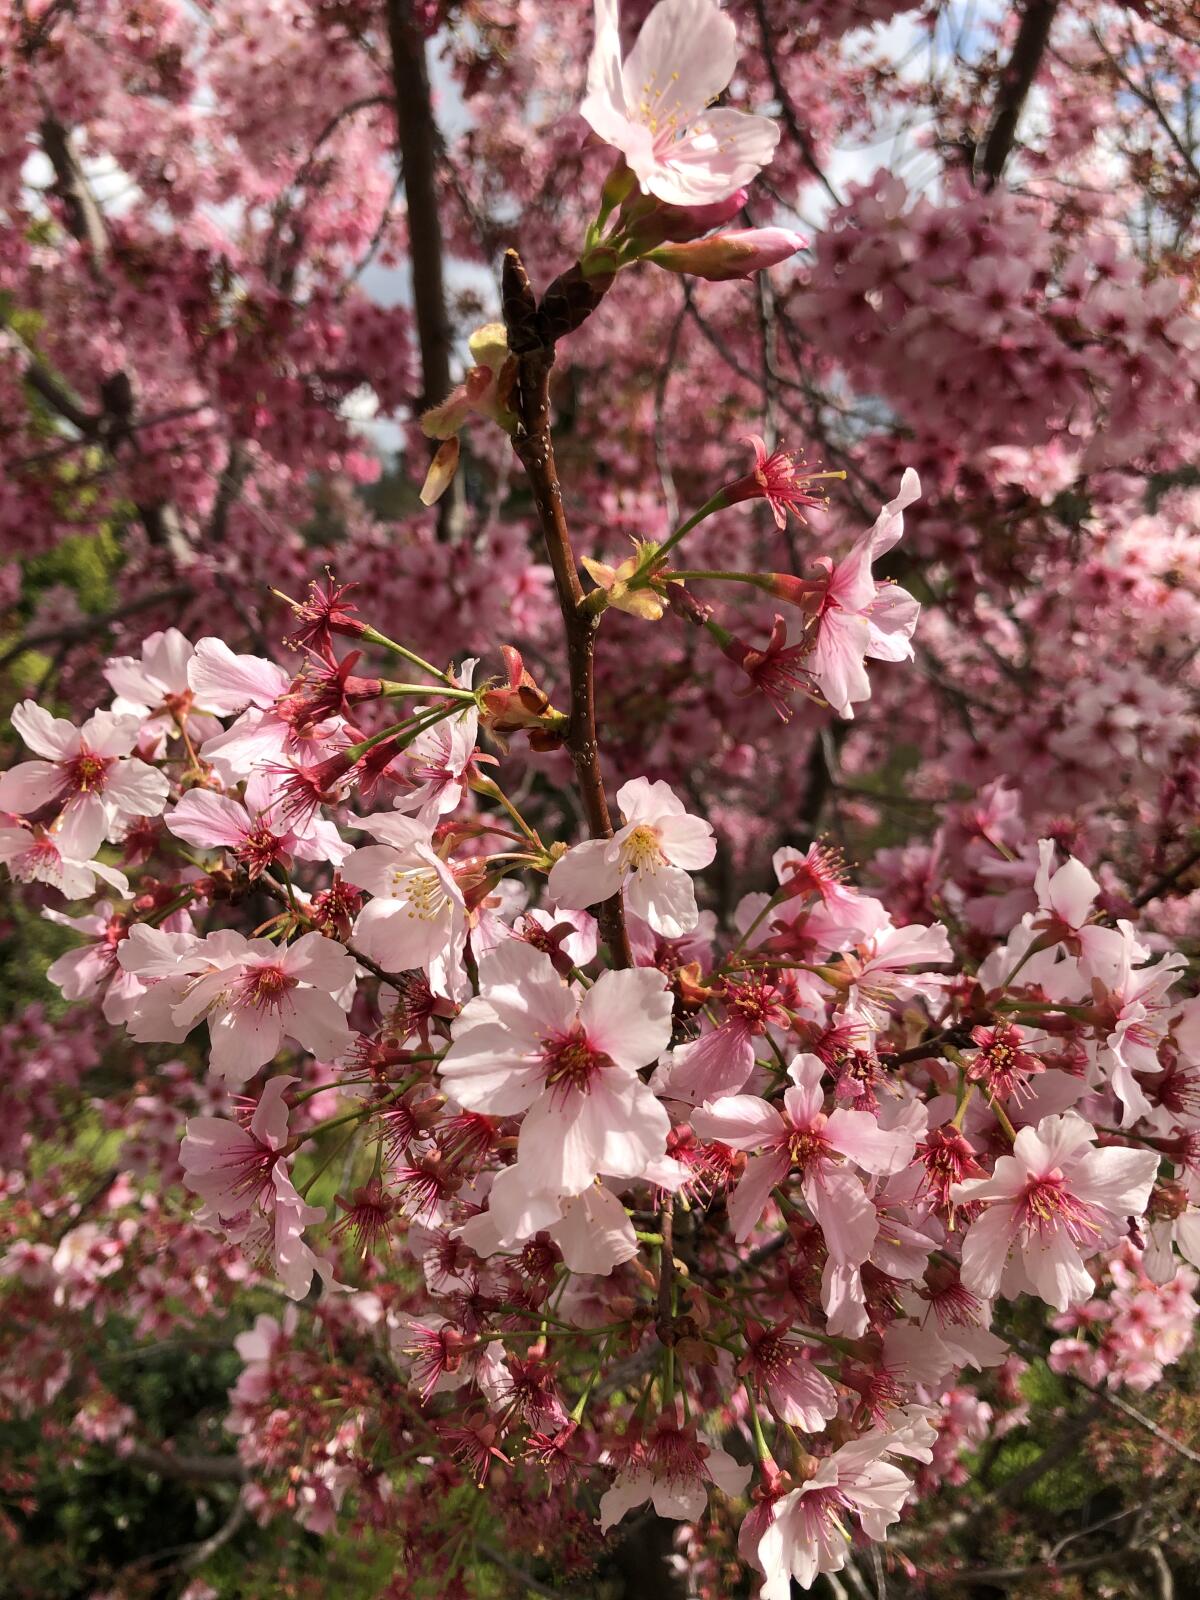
x: 205, y: 819
x: 749, y: 1200
x: 627, y: 1015
x: 51, y: 737
x: 28, y: 786
x: 584, y: 876
x: 742, y: 1121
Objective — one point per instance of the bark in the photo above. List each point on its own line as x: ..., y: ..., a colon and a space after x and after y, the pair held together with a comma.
x: 535, y: 448
x: 416, y: 138
x: 1016, y: 81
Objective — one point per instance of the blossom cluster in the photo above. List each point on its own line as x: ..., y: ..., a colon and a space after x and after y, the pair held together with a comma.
x: 606, y: 1157
x: 814, y: 1151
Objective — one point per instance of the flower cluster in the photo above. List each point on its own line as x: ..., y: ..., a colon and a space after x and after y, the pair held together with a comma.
x: 493, y: 992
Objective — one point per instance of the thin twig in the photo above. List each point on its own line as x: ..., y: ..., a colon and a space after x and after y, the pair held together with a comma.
x: 534, y: 447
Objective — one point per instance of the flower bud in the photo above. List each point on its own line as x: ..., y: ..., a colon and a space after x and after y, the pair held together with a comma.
x: 521, y: 703
x: 649, y: 223
x: 441, y: 471
x: 729, y: 255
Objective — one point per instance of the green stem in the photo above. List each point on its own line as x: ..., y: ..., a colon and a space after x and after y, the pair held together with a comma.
x: 328, y: 1162
x: 489, y: 787
x: 373, y: 636
x: 395, y: 691
x: 760, y: 1443
x: 752, y: 578
x: 407, y: 730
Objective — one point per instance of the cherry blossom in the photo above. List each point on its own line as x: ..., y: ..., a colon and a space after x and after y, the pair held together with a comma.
x: 529, y: 1043
x: 417, y: 914
x: 806, y: 1534
x: 672, y: 1468
x: 654, y: 106
x: 252, y: 993
x: 648, y: 859
x: 88, y: 772
x: 155, y: 688
x: 1055, y: 1202
x: 804, y: 1137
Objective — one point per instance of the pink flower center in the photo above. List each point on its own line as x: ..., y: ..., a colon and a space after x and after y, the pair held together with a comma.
x: 1046, y: 1205
x: 756, y: 1002
x: 820, y: 872
x: 42, y: 857
x: 569, y: 1061
x: 249, y: 1169
x: 771, y: 1356
x: 264, y: 987
x: 807, y: 1147
x: 258, y: 850
x: 86, y: 772
x: 822, y: 1512
x: 676, y: 1455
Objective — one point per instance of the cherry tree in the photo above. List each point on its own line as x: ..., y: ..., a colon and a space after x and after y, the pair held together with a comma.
x: 630, y: 967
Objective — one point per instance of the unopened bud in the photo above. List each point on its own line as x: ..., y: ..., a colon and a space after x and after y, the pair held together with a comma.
x: 649, y: 223
x: 441, y: 471
x: 729, y: 255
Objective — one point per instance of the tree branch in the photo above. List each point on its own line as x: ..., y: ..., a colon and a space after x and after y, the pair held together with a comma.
x: 416, y: 137
x: 188, y: 1469
x: 72, y: 632
x: 85, y: 221
x: 787, y: 109
x: 1015, y: 83
x: 1168, y: 880
x: 535, y: 449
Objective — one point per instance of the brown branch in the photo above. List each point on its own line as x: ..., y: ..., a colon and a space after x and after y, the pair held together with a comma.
x: 787, y: 109
x: 1168, y: 880
x: 416, y: 137
x: 1016, y: 80
x: 534, y: 351
x: 1106, y: 1397
x: 276, y: 266
x: 188, y: 1469
x: 534, y: 1585
x: 1062, y: 1447
x: 1152, y: 103
x: 85, y: 221
x: 73, y: 632
x: 1037, y: 1569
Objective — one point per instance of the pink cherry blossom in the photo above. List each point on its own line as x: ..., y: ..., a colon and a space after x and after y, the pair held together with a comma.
x: 230, y: 1165
x: 252, y: 993
x: 860, y: 618
x: 1055, y: 1202
x: 654, y: 106
x: 258, y: 840
x: 592, y: 1229
x: 797, y: 1390
x: 417, y: 916
x: 672, y: 1469
x: 802, y: 1137
x: 807, y: 1534
x: 436, y: 766
x: 86, y: 771
x: 155, y: 688
x: 60, y: 856
x: 93, y: 967
x: 529, y: 1043
x: 649, y: 859
x: 877, y: 970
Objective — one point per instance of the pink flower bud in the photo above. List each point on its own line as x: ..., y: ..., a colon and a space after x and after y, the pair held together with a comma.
x: 648, y: 222
x: 729, y: 255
